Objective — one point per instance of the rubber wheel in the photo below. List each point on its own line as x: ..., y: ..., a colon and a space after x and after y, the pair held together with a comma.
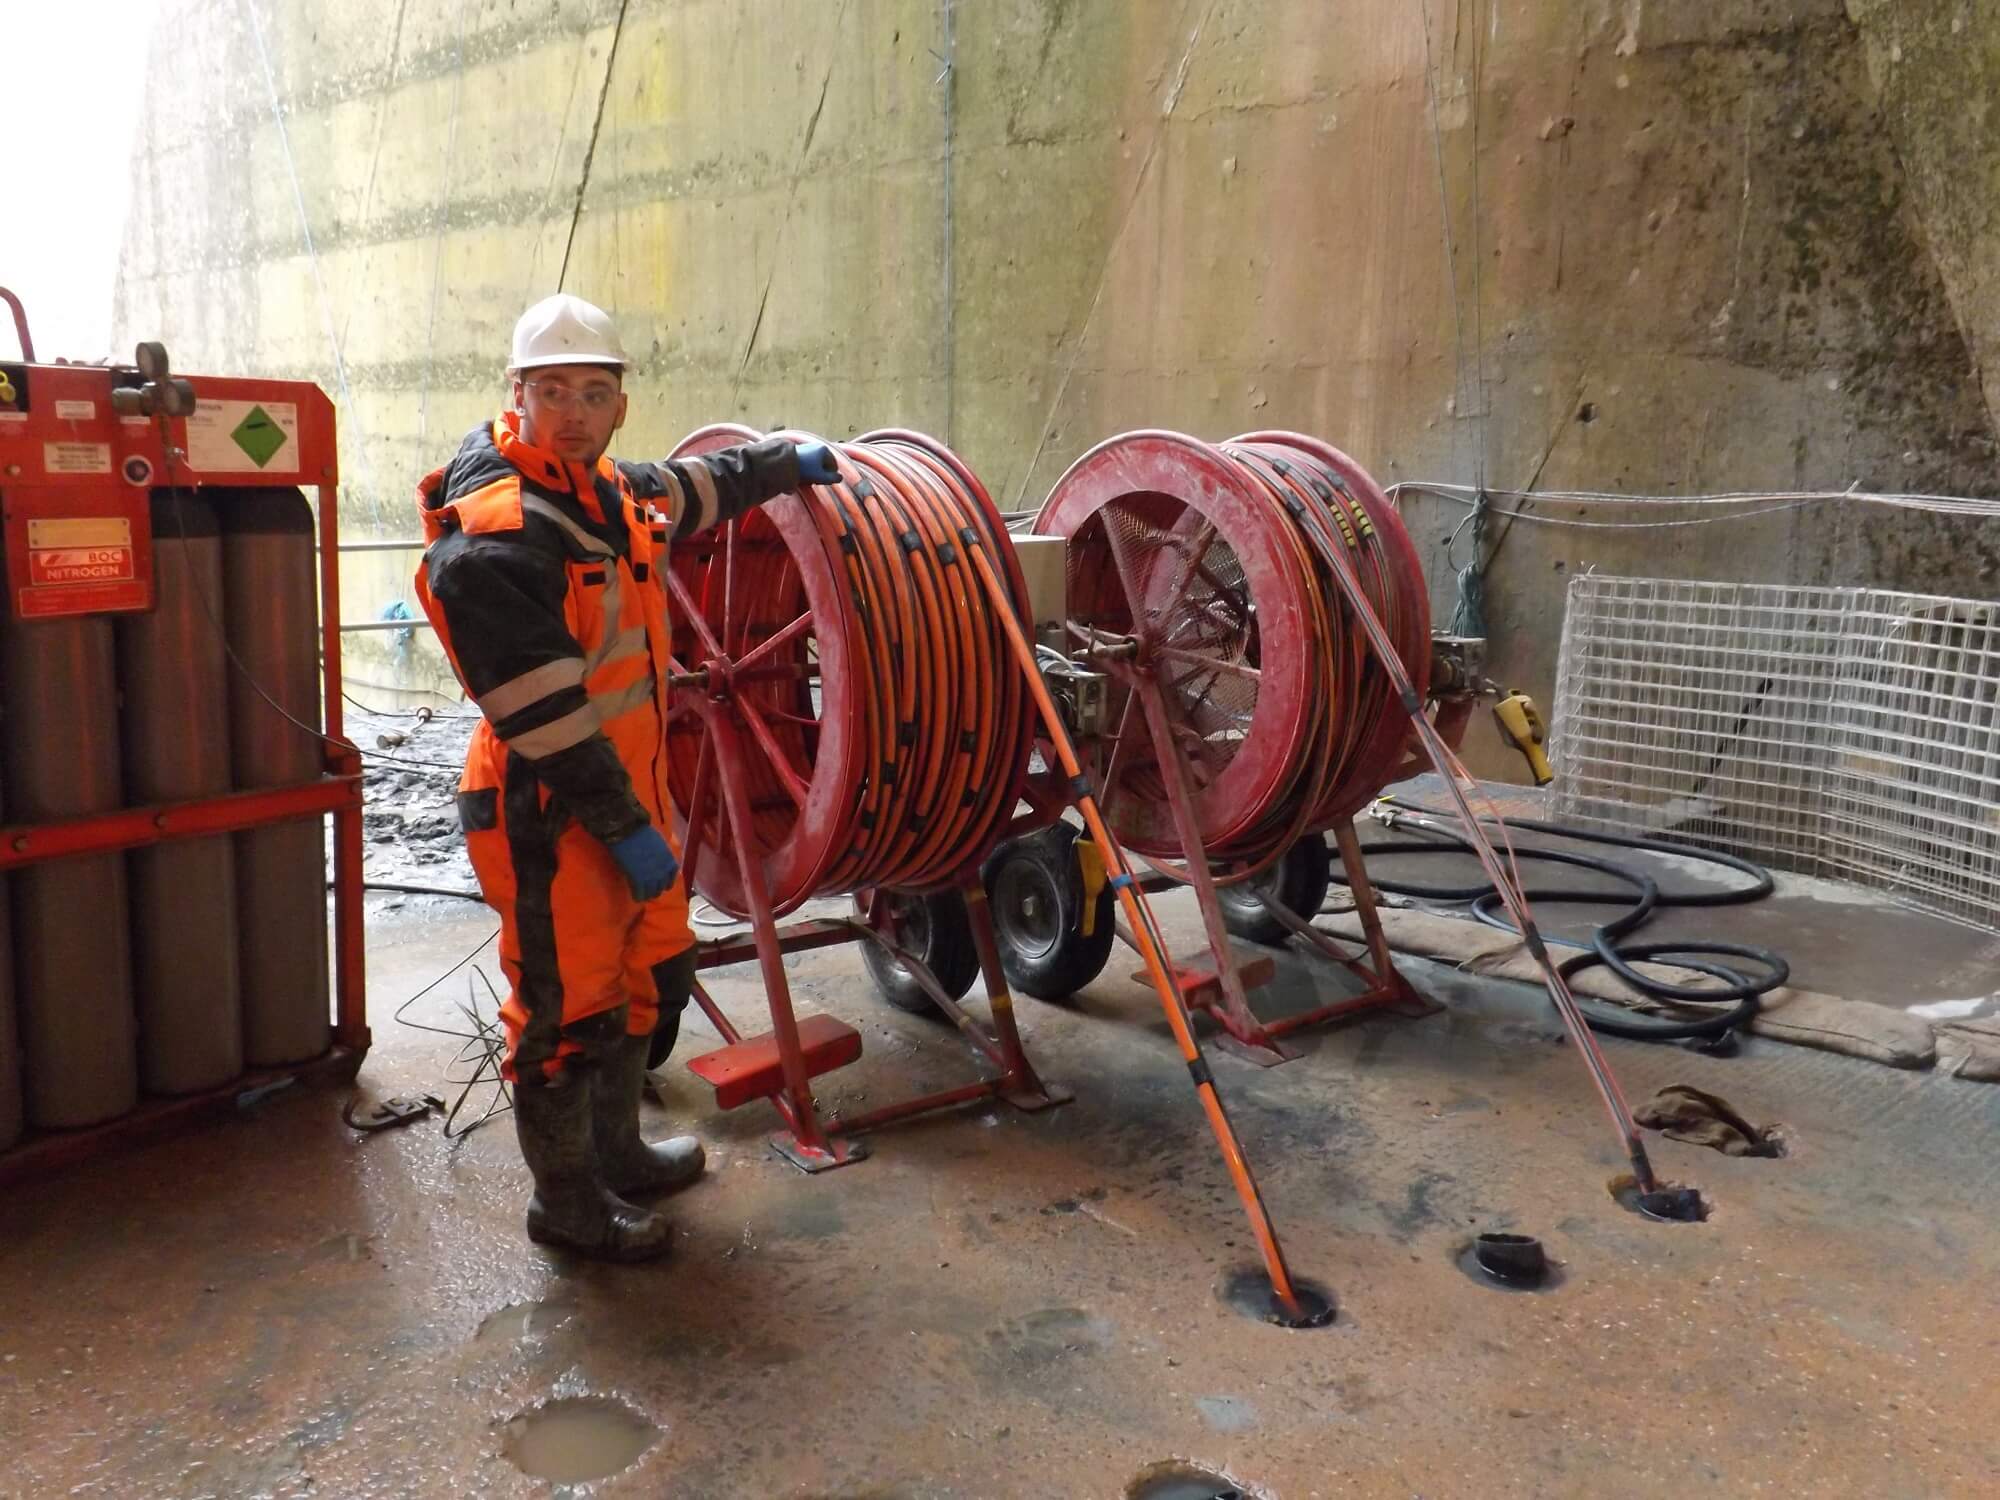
x: 936, y: 930
x: 1035, y: 888
x: 1299, y: 880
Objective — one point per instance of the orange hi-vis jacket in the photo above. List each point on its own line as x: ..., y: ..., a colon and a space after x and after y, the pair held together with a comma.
x: 546, y: 583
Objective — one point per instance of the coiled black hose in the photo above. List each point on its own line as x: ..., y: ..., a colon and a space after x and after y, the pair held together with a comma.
x: 1604, y: 947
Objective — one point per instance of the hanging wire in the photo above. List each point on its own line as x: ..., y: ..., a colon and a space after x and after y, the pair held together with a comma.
x: 1478, y: 255
x: 1465, y: 389
x: 1468, y: 614
x: 1778, y: 500
x: 590, y: 151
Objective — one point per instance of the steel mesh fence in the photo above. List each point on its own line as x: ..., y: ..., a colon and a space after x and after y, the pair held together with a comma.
x: 1847, y: 732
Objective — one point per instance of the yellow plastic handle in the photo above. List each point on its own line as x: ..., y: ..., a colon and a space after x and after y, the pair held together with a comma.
x: 1521, y: 723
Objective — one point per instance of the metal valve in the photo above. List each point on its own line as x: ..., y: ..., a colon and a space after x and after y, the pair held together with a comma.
x: 1081, y: 696
x: 1458, y: 665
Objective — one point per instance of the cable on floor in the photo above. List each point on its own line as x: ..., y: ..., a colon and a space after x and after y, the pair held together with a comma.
x: 1640, y: 897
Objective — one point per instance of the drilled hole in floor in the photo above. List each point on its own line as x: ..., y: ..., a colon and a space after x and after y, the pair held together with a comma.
x: 1249, y: 1291
x: 1507, y: 1263
x: 1669, y: 1203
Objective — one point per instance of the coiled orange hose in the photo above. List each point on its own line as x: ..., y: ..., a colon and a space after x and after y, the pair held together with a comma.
x: 842, y: 627
x: 1213, y: 568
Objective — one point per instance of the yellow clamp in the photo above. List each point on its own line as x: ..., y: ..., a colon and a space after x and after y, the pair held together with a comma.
x: 1521, y: 723
x: 1090, y: 864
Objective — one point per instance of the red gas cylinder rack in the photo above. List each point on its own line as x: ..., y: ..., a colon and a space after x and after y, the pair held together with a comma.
x: 93, y: 443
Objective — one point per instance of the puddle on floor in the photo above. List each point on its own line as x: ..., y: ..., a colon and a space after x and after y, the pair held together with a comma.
x: 519, y: 1322
x: 576, y: 1439
x: 1176, y: 1480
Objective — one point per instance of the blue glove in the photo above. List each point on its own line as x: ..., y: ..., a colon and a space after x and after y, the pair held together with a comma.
x: 648, y: 862
x: 816, y: 464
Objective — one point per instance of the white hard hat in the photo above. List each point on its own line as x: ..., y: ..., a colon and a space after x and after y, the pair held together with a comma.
x: 565, y: 330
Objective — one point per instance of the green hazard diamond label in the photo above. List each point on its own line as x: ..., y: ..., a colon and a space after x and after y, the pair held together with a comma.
x: 258, y: 436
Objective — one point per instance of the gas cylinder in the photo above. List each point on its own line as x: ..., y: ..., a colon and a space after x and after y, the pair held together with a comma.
x: 72, y: 970
x: 10, y: 1046
x: 271, y: 610
x: 175, y: 677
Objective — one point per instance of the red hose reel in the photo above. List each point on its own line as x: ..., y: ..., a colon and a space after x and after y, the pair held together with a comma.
x: 859, y: 705
x: 848, y: 721
x: 886, y: 735
x: 1250, y: 712
x: 1206, y: 568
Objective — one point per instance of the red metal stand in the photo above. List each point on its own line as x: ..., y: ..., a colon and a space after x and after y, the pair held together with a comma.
x: 781, y: 1064
x: 1220, y: 988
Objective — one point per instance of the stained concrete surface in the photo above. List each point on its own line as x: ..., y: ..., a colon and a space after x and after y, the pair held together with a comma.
x: 1542, y: 244
x: 998, y: 1304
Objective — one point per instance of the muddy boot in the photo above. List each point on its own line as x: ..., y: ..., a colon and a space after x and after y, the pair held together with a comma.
x: 572, y: 1208
x: 629, y: 1163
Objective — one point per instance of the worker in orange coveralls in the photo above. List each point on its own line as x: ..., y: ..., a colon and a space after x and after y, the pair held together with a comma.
x: 545, y: 577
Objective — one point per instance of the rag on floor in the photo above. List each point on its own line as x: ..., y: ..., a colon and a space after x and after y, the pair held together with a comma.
x: 1684, y: 1113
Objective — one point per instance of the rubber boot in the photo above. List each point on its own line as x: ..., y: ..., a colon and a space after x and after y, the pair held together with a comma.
x: 629, y: 1163
x: 572, y: 1208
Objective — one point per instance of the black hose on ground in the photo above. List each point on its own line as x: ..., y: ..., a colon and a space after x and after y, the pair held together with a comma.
x: 1604, y: 945
x: 420, y: 890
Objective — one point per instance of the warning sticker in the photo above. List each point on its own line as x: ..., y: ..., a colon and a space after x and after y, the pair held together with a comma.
x: 76, y: 458
x: 234, y: 437
x: 77, y: 411
x: 81, y: 564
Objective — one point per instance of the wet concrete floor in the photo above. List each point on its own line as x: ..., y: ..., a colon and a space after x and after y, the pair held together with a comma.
x: 1000, y: 1304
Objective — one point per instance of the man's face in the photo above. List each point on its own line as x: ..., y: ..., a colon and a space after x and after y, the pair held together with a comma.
x: 571, y: 410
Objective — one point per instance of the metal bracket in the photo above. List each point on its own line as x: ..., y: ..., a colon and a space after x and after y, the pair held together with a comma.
x: 389, y: 1113
x: 839, y: 1151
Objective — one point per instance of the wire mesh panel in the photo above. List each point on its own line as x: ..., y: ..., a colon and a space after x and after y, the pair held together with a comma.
x: 1836, y: 731
x: 1913, y: 753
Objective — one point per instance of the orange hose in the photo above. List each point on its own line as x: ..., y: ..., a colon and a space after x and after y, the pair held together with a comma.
x: 885, y: 744
x: 1139, y: 915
